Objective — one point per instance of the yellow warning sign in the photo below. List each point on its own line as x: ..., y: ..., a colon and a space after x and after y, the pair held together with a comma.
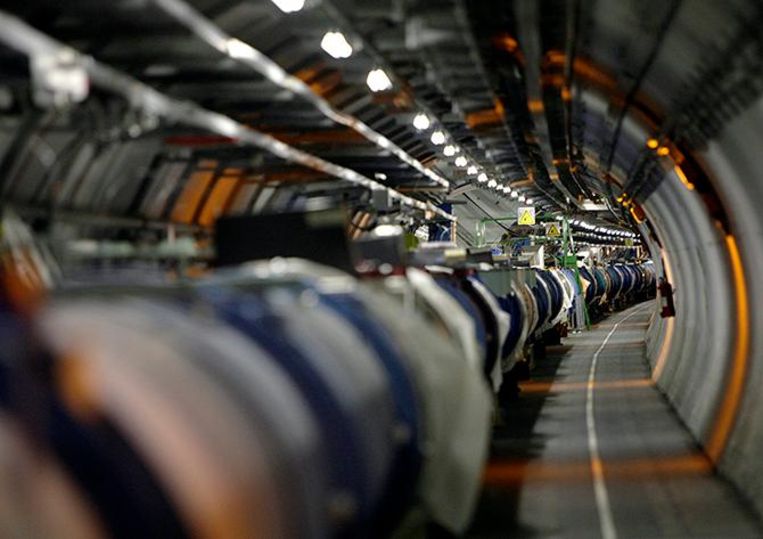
x: 526, y: 215
x: 552, y: 230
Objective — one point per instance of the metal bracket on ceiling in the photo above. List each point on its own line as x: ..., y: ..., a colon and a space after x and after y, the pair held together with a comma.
x: 242, y: 52
x: 58, y: 79
x: 18, y: 35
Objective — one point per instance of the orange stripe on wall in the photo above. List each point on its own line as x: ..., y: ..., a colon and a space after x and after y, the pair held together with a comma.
x: 185, y: 207
x: 548, y: 387
x: 218, y: 199
x: 732, y: 396
x: 507, y: 473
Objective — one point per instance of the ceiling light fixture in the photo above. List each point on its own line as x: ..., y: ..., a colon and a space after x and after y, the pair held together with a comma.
x: 449, y: 150
x: 521, y: 198
x: 336, y: 45
x: 421, y: 121
x: 482, y: 178
x: 378, y: 81
x: 461, y: 161
x: 492, y: 183
x: 529, y: 201
x: 438, y: 137
x: 514, y: 194
x: 289, y: 6
x: 471, y: 171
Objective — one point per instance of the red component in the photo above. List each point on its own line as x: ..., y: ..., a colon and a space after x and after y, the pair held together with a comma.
x: 666, y: 298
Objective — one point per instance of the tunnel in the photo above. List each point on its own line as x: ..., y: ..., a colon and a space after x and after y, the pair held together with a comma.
x: 381, y: 268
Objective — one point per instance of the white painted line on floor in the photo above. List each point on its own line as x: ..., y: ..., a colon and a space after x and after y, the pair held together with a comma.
x: 606, y: 520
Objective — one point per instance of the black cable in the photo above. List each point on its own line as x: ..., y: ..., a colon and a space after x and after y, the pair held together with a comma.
x: 662, y: 31
x: 470, y: 199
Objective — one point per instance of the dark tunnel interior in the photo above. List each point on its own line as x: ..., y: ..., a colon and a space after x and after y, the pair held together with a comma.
x: 381, y: 268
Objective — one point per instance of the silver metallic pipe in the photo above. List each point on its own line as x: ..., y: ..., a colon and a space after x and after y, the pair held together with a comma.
x: 20, y: 36
x: 242, y: 52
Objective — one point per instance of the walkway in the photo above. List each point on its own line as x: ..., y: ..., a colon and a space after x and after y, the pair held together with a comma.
x: 592, y: 449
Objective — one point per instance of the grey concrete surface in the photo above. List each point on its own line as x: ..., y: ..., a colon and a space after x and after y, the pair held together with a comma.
x: 657, y: 481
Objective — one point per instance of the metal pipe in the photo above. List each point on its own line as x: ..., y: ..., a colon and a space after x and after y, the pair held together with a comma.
x: 20, y: 36
x: 248, y: 55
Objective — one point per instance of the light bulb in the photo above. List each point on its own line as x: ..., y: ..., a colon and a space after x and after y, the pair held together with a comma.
x: 336, y: 45
x: 438, y: 137
x: 421, y: 121
x: 471, y: 171
x: 461, y: 161
x: 378, y: 81
x: 449, y: 150
x: 492, y: 183
x: 289, y: 6
x: 482, y: 178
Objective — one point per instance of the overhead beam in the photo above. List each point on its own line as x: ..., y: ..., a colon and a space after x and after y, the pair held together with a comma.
x: 19, y: 36
x: 211, y: 34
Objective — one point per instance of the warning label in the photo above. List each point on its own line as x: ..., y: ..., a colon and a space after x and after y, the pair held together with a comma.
x: 552, y: 230
x: 526, y: 215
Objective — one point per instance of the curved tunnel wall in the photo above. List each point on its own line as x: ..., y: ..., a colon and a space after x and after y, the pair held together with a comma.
x: 708, y: 360
x: 692, y: 354
x: 693, y: 373
x: 734, y: 161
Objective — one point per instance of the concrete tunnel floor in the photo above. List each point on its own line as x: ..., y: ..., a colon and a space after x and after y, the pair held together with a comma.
x: 650, y: 480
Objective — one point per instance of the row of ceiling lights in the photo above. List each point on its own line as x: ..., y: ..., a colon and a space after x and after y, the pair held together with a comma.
x: 594, y: 244
x: 505, y: 189
x: 603, y: 230
x: 603, y: 237
x: 422, y: 122
x: 335, y: 44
